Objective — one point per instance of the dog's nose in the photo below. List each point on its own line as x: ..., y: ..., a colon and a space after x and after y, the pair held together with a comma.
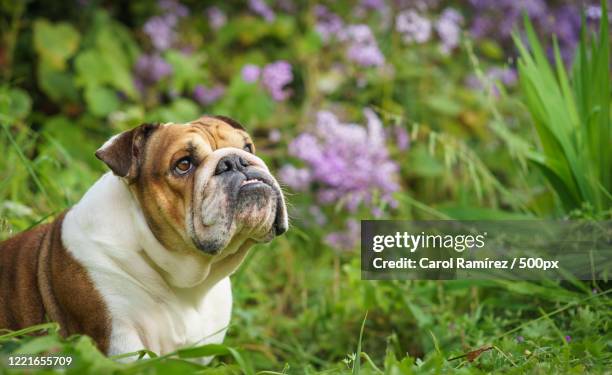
x: 231, y: 163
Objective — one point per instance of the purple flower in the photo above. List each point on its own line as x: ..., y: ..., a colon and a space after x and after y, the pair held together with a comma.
x: 568, y: 338
x: 161, y: 32
x: 150, y: 69
x: 296, y: 178
x: 506, y: 76
x: 498, y: 18
x: 286, y: 5
x: 274, y: 136
x: 368, y: 55
x: 250, y: 73
x: 413, y: 27
x: 520, y: 339
x: 161, y: 29
x: 174, y: 7
x: 261, y: 8
x: 328, y: 23
x: 402, y: 138
x: 275, y: 76
x: 346, y: 240
x: 349, y: 163
x: 448, y: 27
x: 318, y: 215
x: 216, y: 17
x: 206, y: 96
x: 593, y: 12
x: 363, y: 48
x: 373, y: 4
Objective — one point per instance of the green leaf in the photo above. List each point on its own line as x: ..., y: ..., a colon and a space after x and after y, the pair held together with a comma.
x: 101, y: 100
x: 88, y: 359
x: 246, y: 102
x: 55, y: 43
x: 15, y: 103
x: 38, y: 345
x: 96, y: 68
x: 203, y: 351
x: 181, y: 110
x: 57, y: 85
x: 91, y: 68
x: 187, y: 70
x: 444, y: 105
x: 116, y: 57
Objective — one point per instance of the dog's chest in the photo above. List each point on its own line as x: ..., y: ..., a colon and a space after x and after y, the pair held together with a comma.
x: 165, y: 323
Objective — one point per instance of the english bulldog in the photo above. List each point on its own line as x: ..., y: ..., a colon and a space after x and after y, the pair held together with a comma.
x: 143, y: 259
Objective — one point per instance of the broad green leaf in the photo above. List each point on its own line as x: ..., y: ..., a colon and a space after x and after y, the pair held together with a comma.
x: 91, y: 68
x: 58, y: 85
x: 39, y: 345
x: 55, y: 43
x: 15, y: 103
x: 101, y: 100
x: 95, y: 68
x: 180, y: 110
x: 246, y: 102
x: 117, y: 58
x: 187, y: 70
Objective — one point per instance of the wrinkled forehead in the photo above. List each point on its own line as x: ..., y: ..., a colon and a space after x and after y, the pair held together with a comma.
x: 205, y: 135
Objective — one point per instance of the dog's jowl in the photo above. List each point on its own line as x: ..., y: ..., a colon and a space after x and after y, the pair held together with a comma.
x: 143, y: 259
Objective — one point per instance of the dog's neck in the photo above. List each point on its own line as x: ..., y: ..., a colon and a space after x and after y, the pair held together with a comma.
x: 107, y: 228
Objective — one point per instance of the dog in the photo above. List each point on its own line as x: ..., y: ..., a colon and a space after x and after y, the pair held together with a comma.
x: 143, y: 259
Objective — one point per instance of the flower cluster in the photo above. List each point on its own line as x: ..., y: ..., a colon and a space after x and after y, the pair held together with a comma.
x: 362, y: 46
x: 274, y: 78
x: 206, y: 96
x: 162, y: 29
x: 152, y: 68
x: 347, y: 239
x: 261, y: 8
x: 328, y: 24
x: 498, y: 18
x: 448, y: 27
x: 216, y: 17
x: 505, y: 76
x: 413, y: 27
x: 373, y: 4
x: 349, y: 163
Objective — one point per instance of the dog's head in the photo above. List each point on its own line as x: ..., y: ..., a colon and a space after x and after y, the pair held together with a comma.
x: 200, y: 185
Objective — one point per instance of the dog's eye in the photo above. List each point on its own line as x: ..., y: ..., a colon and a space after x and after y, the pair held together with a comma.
x: 248, y: 148
x: 183, y: 166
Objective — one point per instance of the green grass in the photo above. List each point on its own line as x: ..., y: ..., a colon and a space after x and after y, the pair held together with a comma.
x: 571, y: 116
x: 324, y: 331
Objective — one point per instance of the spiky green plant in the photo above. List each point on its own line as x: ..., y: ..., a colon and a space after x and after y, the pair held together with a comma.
x: 571, y: 114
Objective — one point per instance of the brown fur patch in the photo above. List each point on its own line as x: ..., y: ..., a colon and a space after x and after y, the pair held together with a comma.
x: 40, y: 281
x: 122, y: 154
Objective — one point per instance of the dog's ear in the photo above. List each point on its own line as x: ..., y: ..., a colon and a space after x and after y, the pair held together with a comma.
x: 121, y: 152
